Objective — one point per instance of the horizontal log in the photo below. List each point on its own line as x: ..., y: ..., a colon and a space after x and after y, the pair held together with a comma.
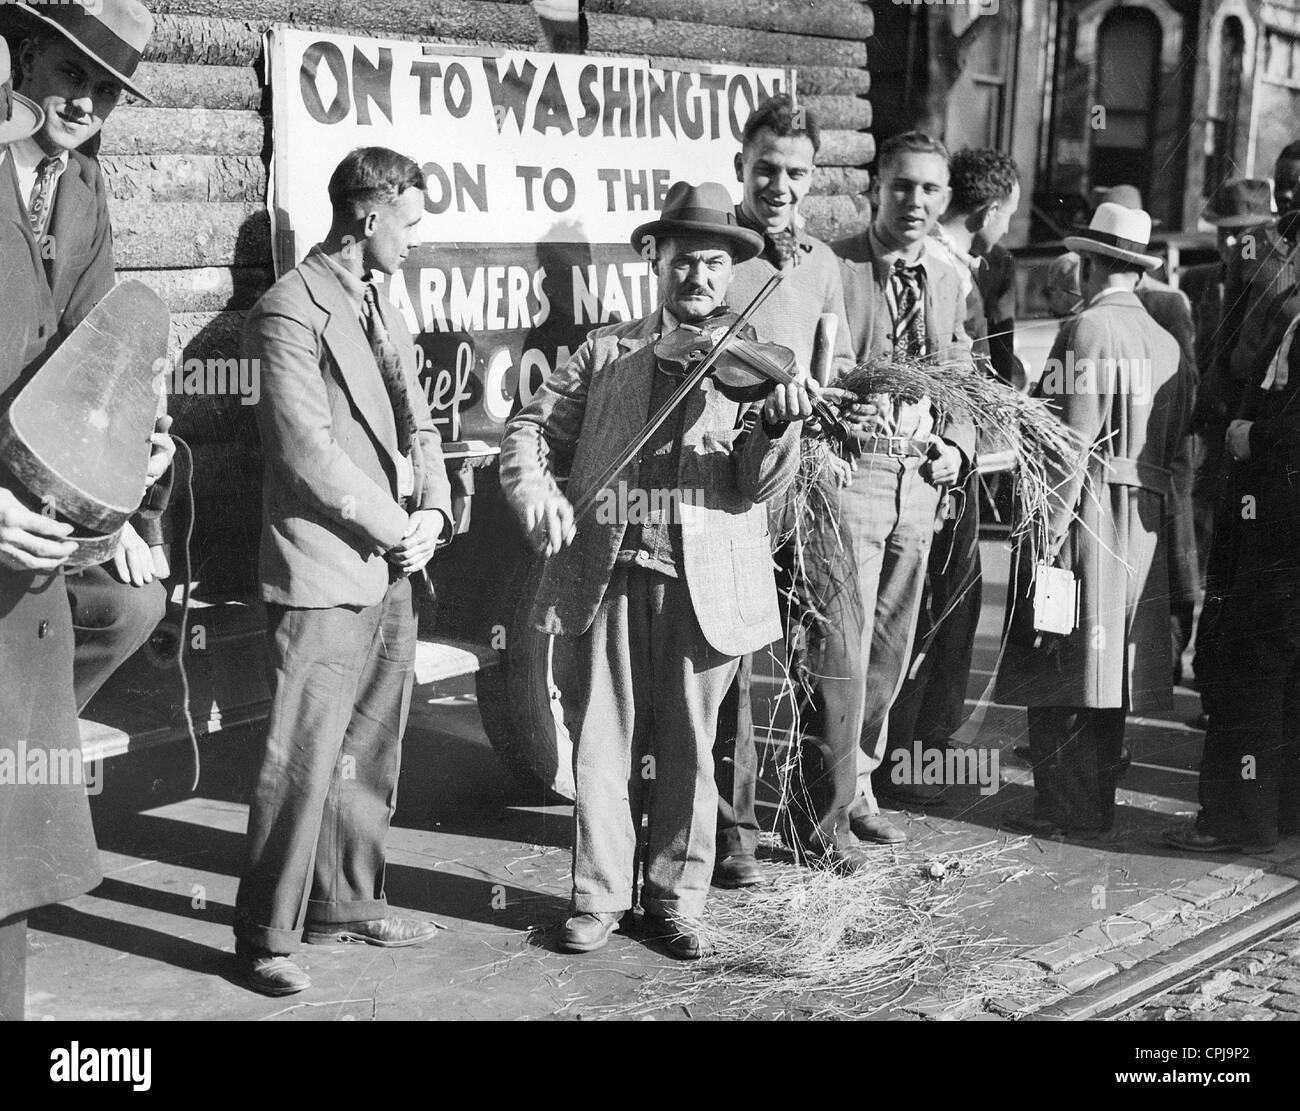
x: 174, y: 85
x: 209, y: 289
x: 846, y: 148
x: 510, y: 22
x: 631, y: 35
x: 185, y: 177
x: 841, y: 19
x: 844, y: 113
x: 184, y: 131
x: 832, y: 218
x: 154, y: 236
x: 831, y: 180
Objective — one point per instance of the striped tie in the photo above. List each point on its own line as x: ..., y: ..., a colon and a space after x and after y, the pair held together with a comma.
x: 38, y: 208
x: 390, y: 366
x: 908, y: 310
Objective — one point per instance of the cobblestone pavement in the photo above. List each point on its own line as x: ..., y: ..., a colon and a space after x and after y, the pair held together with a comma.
x: 1259, y: 985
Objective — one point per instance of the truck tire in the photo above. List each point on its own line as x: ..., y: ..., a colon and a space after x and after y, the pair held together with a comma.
x: 522, y: 702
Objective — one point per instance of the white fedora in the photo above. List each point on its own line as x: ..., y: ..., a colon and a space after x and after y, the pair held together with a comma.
x: 1117, y: 232
x: 19, y: 116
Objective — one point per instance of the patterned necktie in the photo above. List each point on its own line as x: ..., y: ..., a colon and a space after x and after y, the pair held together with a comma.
x: 780, y: 247
x: 909, y: 318
x: 390, y: 366
x: 38, y: 208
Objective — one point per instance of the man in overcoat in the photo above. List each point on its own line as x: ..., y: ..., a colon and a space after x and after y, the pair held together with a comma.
x: 661, y: 604
x: 47, y: 845
x: 1113, y: 376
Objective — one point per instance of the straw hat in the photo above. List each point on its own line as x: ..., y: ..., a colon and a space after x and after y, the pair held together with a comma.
x: 1117, y: 232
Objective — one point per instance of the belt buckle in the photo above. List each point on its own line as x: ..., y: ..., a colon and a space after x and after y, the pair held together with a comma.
x: 897, y: 447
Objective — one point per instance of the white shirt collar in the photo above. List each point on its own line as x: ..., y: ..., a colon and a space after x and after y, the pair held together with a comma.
x: 1107, y: 292
x: 28, y: 155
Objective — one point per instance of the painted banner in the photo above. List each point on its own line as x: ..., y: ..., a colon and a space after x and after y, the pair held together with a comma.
x: 539, y: 168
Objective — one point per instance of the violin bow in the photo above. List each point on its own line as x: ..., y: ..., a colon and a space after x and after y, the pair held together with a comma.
x: 665, y: 411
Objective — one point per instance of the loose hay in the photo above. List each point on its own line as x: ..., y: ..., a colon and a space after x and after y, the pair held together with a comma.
x: 820, y: 945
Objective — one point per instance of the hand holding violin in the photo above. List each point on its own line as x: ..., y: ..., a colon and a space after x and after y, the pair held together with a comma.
x: 790, y: 401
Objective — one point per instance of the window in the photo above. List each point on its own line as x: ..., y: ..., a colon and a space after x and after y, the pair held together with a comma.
x: 1221, y: 159
x: 1128, y: 69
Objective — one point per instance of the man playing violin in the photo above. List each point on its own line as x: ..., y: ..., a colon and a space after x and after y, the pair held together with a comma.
x: 661, y: 604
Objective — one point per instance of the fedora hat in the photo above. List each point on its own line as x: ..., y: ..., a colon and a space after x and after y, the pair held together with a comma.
x: 1130, y: 196
x: 111, y: 33
x: 704, y: 210
x: 1117, y: 232
x: 19, y: 116
x: 1242, y: 202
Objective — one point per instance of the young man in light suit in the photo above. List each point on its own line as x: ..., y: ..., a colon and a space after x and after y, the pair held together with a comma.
x: 661, y: 605
x: 76, y: 61
x: 354, y: 501
x: 901, y: 298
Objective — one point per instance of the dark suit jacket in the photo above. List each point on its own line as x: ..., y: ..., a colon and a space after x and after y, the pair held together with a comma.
x: 593, y: 406
x: 865, y: 282
x: 80, y: 274
x: 329, y: 495
x: 47, y: 845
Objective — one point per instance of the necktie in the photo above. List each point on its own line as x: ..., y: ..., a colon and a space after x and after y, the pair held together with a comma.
x: 909, y: 318
x: 390, y: 366
x: 780, y: 247
x: 38, y: 208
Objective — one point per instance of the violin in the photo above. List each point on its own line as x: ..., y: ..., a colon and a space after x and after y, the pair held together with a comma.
x: 745, y: 370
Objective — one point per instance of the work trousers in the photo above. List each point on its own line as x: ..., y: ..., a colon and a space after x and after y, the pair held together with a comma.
x: 735, y: 763
x: 646, y: 722
x: 1250, y: 765
x: 1076, y: 756
x: 932, y: 704
x: 866, y: 575
x: 327, y: 786
x: 111, y: 620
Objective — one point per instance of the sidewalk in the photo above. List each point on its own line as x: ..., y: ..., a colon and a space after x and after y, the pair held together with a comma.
x: 153, y: 941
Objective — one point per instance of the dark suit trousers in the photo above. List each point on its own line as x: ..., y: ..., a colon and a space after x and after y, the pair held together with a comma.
x: 735, y: 763
x: 1076, y: 751
x: 1250, y: 767
x: 111, y: 620
x: 327, y: 786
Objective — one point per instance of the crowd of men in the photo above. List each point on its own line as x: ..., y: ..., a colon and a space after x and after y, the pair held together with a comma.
x: 1191, y: 455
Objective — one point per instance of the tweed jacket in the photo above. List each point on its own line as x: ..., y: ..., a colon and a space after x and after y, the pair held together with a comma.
x: 329, y: 493
x: 593, y: 406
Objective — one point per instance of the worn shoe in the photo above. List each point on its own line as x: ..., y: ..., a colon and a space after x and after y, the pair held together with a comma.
x: 390, y: 933
x: 683, y: 941
x: 270, y: 973
x: 737, y: 870
x: 843, y: 861
x: 876, y: 829
x: 587, y: 932
x: 1187, y: 838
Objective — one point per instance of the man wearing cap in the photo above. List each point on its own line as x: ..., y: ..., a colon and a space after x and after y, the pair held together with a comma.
x: 1113, y: 376
x: 902, y: 298
x: 661, y: 604
x: 75, y: 60
x: 775, y: 168
x: 47, y: 845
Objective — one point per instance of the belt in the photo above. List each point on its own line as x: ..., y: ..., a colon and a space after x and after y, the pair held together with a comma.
x: 1123, y: 471
x: 903, y: 446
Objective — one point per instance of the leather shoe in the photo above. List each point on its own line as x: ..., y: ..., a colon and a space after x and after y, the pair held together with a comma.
x: 683, y: 942
x: 587, y: 932
x: 844, y: 861
x: 1190, y: 839
x: 390, y: 933
x: 876, y: 829
x: 738, y: 870
x: 270, y: 973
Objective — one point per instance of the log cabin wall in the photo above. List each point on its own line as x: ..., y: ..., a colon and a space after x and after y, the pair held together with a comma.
x: 188, y: 174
